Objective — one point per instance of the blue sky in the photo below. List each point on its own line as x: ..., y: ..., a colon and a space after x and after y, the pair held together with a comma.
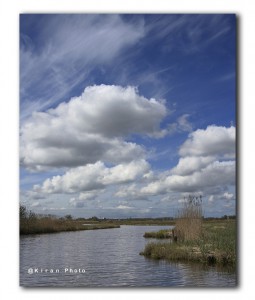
x: 125, y: 115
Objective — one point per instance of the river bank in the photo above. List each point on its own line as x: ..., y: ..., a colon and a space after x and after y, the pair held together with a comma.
x: 32, y: 223
x: 215, y: 245
x: 50, y: 225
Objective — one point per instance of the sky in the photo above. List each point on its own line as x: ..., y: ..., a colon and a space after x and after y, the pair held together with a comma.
x: 126, y: 115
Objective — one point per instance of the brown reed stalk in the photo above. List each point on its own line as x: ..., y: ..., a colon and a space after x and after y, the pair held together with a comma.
x: 189, y: 222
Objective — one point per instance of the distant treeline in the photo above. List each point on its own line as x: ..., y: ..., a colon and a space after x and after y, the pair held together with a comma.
x: 31, y: 222
x: 225, y: 217
x: 233, y: 217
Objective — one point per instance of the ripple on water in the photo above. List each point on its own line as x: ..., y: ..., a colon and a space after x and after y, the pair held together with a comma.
x: 110, y: 257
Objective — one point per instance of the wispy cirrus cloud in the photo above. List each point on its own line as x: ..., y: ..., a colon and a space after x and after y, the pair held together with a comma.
x: 67, y: 49
x: 186, y: 33
x: 96, y: 135
x: 64, y: 52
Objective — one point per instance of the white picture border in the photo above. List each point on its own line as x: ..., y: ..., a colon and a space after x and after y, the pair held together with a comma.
x: 9, y: 134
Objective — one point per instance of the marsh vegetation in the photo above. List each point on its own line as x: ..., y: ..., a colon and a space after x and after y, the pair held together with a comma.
x: 215, y: 245
x: 197, y: 240
x: 161, y: 234
x: 31, y: 223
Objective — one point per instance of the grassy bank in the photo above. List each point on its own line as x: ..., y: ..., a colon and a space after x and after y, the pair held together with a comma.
x: 31, y: 223
x: 216, y: 244
x: 161, y: 234
x: 51, y: 225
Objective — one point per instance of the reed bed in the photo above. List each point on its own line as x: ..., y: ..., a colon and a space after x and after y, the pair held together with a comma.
x: 50, y: 225
x: 189, y: 223
x: 31, y: 223
x: 216, y: 244
x: 194, y: 239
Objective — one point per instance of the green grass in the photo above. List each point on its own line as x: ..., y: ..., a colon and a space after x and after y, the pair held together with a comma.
x: 216, y: 245
x: 162, y: 234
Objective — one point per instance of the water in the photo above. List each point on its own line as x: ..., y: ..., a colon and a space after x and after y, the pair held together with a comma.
x: 107, y: 258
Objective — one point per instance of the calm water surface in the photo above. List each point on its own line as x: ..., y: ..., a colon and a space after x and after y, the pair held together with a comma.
x: 107, y: 258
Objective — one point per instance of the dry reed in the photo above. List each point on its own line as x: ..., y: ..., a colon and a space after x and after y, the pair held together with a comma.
x: 189, y: 222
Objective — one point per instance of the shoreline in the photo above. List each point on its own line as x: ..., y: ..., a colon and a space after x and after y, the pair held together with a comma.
x: 215, y: 246
x: 36, y: 230
x: 50, y: 225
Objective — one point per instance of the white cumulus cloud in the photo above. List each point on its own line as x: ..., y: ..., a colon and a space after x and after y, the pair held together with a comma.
x: 90, y: 128
x: 214, y: 140
x: 215, y: 174
x: 206, y: 162
x: 92, y: 177
x: 188, y: 165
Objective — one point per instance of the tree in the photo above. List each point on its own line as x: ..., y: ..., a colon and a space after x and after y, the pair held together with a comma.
x: 22, y: 212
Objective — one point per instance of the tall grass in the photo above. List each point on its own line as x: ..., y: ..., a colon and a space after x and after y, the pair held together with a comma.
x: 197, y: 240
x: 51, y: 225
x: 31, y: 223
x: 215, y: 245
x: 189, y: 222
